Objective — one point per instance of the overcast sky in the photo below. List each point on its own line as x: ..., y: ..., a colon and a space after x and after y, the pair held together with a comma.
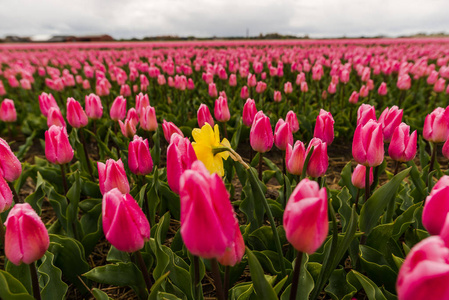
x: 203, y: 18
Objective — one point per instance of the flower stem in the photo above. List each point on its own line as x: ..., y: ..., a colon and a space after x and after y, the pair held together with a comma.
x: 143, y: 269
x: 89, y: 166
x: 35, y: 282
x: 432, y: 161
x: 227, y: 276
x: 196, y: 270
x: 64, y: 180
x: 296, y: 273
x: 357, y: 198
x: 260, y: 165
x: 14, y: 192
x: 217, y: 279
x: 367, y: 191
x: 225, y: 130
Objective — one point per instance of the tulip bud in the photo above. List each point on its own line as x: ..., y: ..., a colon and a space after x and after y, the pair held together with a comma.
x: 283, y: 135
x: 139, y: 157
x: 295, y: 157
x: 332, y: 89
x: 305, y: 217
x: 432, y: 78
x: 368, y: 144
x: 141, y: 102
x: 161, y: 79
x: 252, y: 80
x: 133, y: 116
x: 382, y: 89
x: 55, y: 117
x: 359, y: 176
x: 128, y: 128
x: 436, y: 125
x: 365, y: 113
x: 344, y: 76
x: 261, y: 135
x: 8, y: 111
x: 390, y: 119
x: 436, y: 206
x: 364, y: 91
x: 10, y: 167
x: 26, y: 238
x: 2, y: 89
x: 190, y: 84
x: 445, y: 149
x: 319, y: 161
x: 125, y: 90
x: 57, y: 146
x: 404, y: 82
x: 148, y: 120
x: 46, y: 101
x: 180, y: 157
x: 277, y: 96
x: 75, y: 114
x: 249, y: 112
x: 124, y: 224
x: 204, y: 116
x: 324, y: 127
x: 206, y: 212
x: 221, y: 110
x: 232, y: 80
x: 288, y: 88
x: 439, y: 85
x: 403, y: 145
x: 169, y: 128
x: 118, y: 109
x: 425, y: 271
x: 94, y: 108
x: 292, y: 120
x: 213, y: 90
x: 244, y: 94
x: 112, y: 175
x: 86, y: 84
x: 354, y: 98
x: 304, y: 87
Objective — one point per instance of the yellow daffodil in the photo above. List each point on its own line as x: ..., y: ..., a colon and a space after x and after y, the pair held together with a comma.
x: 206, y: 140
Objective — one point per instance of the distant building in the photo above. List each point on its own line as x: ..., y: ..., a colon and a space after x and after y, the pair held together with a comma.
x: 94, y: 38
x: 16, y: 39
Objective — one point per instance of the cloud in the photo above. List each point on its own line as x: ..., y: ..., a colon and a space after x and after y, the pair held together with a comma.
x: 140, y: 18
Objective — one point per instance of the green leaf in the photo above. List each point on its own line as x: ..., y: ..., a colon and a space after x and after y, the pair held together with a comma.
x: 100, y: 295
x: 372, y: 291
x: 91, y: 225
x: 70, y: 258
x: 375, y: 206
x: 345, y: 180
x: 263, y: 289
x: 21, y: 273
x: 11, y: 288
x: 339, y: 288
x: 118, y: 274
x: 52, y: 286
x: 73, y: 195
x: 115, y: 255
x: 23, y: 149
x: 156, y: 288
x: 236, y: 137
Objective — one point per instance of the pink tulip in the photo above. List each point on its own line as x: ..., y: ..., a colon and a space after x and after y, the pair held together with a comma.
x: 364, y: 91
x: 2, y: 89
x: 8, y: 111
x: 390, y: 119
x: 94, y: 108
x: 365, y: 113
x: 10, y: 167
x: 324, y: 127
x: 445, y: 149
x: 403, y: 145
x: 118, y: 109
x: 46, y: 101
x: 295, y: 157
x: 436, y: 125
x: 5, y: 196
x: 277, y: 96
x: 244, y: 94
x: 75, y: 114
x: 283, y: 135
x: 439, y: 85
x: 301, y: 77
x: 112, y: 175
x: 148, y: 120
x: 288, y: 88
x: 161, y: 79
x: 57, y: 146
x: 213, y: 90
x: 142, y: 101
x: 332, y: 89
x: 252, y: 80
x: 221, y: 110
x: 359, y: 176
x: 133, y: 116
x: 169, y: 128
x: 139, y: 157
x: 382, y: 90
x: 26, y: 238
x: 204, y: 116
x: 232, y: 80
x: 354, y: 98
x: 424, y: 273
x: 261, y: 135
x: 234, y: 254
x: 190, y: 84
x: 344, y: 76
x: 404, y: 82
x: 128, y: 128
x: 368, y: 144
x: 319, y: 161
x: 305, y: 217
x: 86, y: 84
x: 55, y: 117
x: 125, y: 90
x: 432, y: 78
x: 249, y: 112
x: 208, y: 222
x: 124, y: 224
x: 304, y: 87
x: 261, y: 87
x: 436, y: 206
x: 292, y: 120
x: 180, y: 157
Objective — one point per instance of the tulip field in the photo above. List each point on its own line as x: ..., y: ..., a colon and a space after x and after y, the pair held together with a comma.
x: 289, y: 169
